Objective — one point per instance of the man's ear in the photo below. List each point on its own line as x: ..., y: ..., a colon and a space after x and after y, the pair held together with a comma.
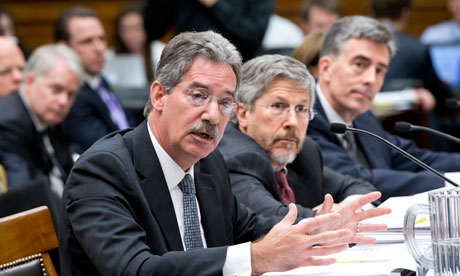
x: 157, y: 96
x: 242, y: 115
x: 324, y: 68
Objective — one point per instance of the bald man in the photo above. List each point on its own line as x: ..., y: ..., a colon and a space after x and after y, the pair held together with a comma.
x: 12, y: 64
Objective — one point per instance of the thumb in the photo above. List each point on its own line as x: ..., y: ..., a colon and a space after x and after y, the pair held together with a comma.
x: 326, y: 207
x: 291, y: 215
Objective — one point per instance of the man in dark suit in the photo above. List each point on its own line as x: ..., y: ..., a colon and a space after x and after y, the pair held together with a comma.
x: 138, y: 198
x: 32, y: 143
x: 354, y: 59
x: 254, y: 144
x: 96, y: 111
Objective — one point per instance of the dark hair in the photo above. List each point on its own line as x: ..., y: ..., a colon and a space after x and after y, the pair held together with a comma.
x: 391, y: 9
x: 119, y: 45
x: 61, y: 27
x: 331, y: 6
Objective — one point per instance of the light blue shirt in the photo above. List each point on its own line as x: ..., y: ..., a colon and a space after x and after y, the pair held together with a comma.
x: 444, y: 32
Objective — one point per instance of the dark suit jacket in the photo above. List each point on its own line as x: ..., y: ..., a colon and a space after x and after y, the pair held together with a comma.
x: 22, y: 150
x: 413, y: 61
x: 118, y: 217
x: 254, y: 183
x: 391, y: 173
x: 88, y: 120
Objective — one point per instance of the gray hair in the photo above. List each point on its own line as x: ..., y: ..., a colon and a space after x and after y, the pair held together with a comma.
x: 261, y: 72
x: 180, y: 53
x: 44, y: 58
x: 356, y: 27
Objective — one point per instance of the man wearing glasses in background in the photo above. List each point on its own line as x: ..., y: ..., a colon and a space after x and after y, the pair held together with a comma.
x: 270, y: 160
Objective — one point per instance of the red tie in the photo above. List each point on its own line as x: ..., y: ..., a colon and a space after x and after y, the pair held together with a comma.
x: 287, y: 195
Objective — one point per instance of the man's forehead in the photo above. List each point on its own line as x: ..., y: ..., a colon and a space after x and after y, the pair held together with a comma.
x: 355, y: 47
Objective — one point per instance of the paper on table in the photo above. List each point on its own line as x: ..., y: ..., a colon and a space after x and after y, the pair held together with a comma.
x: 361, y: 260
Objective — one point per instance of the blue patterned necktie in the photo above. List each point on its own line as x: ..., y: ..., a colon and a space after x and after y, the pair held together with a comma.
x: 192, y: 233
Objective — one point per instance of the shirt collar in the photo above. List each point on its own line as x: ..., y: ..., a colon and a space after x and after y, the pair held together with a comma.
x: 39, y: 126
x: 93, y: 81
x: 331, y: 115
x: 171, y: 170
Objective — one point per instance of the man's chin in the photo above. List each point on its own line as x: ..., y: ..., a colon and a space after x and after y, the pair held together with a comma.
x: 283, y: 159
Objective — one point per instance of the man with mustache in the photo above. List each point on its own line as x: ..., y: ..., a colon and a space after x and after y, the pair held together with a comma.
x: 266, y: 140
x: 353, y: 61
x: 156, y: 200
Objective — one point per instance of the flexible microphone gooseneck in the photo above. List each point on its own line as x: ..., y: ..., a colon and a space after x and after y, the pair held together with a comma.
x: 406, y: 127
x: 342, y: 128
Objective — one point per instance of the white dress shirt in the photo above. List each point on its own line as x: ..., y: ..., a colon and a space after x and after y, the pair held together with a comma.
x: 238, y: 261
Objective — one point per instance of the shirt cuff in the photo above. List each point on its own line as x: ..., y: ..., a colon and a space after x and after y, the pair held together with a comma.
x: 238, y: 261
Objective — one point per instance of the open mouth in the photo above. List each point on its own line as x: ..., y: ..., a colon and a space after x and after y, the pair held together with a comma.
x: 204, y: 135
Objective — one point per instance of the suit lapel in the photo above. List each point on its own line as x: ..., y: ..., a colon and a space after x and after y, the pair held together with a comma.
x: 98, y: 103
x: 211, y: 215
x: 153, y: 184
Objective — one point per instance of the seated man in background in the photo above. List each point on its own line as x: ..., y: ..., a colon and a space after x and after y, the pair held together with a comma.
x: 157, y: 199
x: 96, y: 111
x: 265, y: 142
x: 318, y: 15
x: 11, y: 66
x: 446, y: 31
x: 31, y: 139
x: 354, y: 59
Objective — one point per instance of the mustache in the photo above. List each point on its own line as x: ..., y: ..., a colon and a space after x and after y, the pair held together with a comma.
x: 204, y: 127
x: 289, y: 135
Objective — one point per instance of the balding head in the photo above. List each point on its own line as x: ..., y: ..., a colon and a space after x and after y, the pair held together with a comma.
x: 11, y: 66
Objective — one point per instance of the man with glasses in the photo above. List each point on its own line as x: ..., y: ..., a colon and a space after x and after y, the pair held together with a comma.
x: 156, y: 200
x: 270, y: 160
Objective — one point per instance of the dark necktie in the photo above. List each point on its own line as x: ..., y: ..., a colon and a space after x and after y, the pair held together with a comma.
x: 287, y: 195
x: 192, y: 233
x: 352, y: 148
x: 116, y: 111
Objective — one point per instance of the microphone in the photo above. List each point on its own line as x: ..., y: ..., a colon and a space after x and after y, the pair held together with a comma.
x: 342, y: 128
x: 452, y: 103
x: 406, y: 127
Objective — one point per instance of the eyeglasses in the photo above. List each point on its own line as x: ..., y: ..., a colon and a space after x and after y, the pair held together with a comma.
x: 201, y: 96
x: 279, y: 109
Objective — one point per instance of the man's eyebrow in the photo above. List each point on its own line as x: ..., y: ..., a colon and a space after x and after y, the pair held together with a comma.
x: 196, y: 84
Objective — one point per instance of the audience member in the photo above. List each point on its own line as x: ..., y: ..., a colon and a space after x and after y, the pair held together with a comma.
x: 32, y: 143
x: 240, y: 21
x: 412, y: 60
x: 124, y: 211
x: 447, y: 31
x: 318, y: 15
x: 96, y: 111
x: 354, y: 59
x: 130, y: 36
x: 8, y: 29
x: 266, y: 142
x: 11, y: 66
x: 308, y: 51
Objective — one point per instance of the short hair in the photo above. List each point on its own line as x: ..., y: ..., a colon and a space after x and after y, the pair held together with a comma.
x: 308, y: 51
x: 331, y: 6
x: 45, y: 57
x: 181, y: 51
x: 61, y: 27
x: 259, y: 73
x: 356, y: 27
x: 391, y: 9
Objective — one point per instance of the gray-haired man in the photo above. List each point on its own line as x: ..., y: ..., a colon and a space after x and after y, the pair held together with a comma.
x: 354, y: 58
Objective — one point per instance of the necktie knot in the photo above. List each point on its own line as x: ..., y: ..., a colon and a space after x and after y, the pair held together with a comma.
x: 186, y: 185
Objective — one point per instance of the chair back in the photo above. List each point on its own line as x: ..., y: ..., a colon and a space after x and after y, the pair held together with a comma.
x: 24, y: 237
x: 3, y: 183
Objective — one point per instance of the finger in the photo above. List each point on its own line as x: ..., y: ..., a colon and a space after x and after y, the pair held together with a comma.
x: 317, y: 261
x: 326, y: 207
x: 363, y: 239
x: 371, y: 213
x: 371, y: 227
x: 365, y: 199
x: 331, y: 237
x: 291, y: 215
x: 307, y: 225
x: 327, y: 250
